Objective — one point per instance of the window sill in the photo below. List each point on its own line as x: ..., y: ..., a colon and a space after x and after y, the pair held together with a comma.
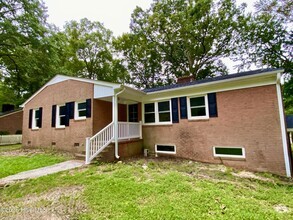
x: 158, y: 124
x: 60, y: 128
x: 80, y: 119
x: 230, y: 158
x: 198, y: 119
x: 35, y: 129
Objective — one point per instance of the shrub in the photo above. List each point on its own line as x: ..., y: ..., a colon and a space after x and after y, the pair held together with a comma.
x: 4, y: 132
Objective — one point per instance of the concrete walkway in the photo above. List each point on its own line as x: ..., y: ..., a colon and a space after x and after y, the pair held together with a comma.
x: 31, y: 174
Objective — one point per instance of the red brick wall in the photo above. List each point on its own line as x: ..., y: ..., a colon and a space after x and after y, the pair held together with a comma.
x: 65, y: 138
x: 246, y: 117
x: 11, y: 122
x: 102, y: 114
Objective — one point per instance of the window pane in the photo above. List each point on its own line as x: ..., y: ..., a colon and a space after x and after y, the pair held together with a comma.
x: 37, y: 113
x: 164, y: 106
x: 37, y: 122
x: 149, y: 107
x: 229, y: 151
x: 165, y: 148
x: 82, y: 113
x: 198, y: 112
x: 198, y: 101
x: 149, y: 118
x: 82, y: 105
x: 133, y: 113
x: 62, y: 110
x: 62, y: 120
x: 164, y: 116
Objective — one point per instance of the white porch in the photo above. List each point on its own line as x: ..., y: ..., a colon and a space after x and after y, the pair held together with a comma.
x: 115, y: 130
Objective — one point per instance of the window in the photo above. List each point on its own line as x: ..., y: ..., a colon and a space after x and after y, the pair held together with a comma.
x: 158, y: 112
x: 80, y: 110
x: 36, y: 118
x: 149, y: 113
x: 61, y: 116
x: 198, y: 107
x: 133, y: 113
x: 234, y: 152
x: 165, y: 149
x: 164, y: 111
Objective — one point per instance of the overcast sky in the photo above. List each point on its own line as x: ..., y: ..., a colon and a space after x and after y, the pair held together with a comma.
x: 114, y: 14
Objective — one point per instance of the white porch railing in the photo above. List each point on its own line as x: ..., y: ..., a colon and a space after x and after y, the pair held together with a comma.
x: 127, y: 130
x: 97, y: 143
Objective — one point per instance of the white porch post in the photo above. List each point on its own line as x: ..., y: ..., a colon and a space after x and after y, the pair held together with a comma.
x: 87, y: 150
x: 115, y: 119
x: 140, y: 129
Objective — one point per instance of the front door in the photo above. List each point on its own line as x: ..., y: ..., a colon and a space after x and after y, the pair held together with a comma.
x: 133, y: 113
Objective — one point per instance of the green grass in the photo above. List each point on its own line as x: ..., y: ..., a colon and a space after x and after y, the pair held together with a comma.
x: 13, y: 164
x: 10, y: 147
x: 165, y: 190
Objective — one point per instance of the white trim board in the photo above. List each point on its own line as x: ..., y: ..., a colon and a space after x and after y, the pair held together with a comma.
x: 283, y: 128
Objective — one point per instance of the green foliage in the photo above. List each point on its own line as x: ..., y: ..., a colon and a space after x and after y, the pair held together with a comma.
x: 89, y: 53
x: 10, y: 165
x: 4, y: 132
x: 266, y: 40
x: 179, y: 38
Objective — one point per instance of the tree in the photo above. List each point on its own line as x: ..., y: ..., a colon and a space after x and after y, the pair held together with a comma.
x: 89, y: 52
x: 176, y: 38
x: 22, y: 25
x: 266, y: 40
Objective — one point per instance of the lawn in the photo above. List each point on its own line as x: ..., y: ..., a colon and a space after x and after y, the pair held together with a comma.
x: 150, y: 189
x: 14, y: 160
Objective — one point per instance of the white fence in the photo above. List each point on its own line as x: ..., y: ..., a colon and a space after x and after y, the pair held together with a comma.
x: 10, y: 139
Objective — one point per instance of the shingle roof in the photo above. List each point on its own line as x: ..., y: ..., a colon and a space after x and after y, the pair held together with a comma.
x: 289, y: 120
x: 207, y: 80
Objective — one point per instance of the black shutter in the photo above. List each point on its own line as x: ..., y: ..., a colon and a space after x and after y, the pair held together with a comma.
x: 71, y: 110
x: 30, y: 118
x: 175, y: 116
x: 40, y: 117
x: 212, y: 99
x: 183, y: 107
x: 67, y: 114
x: 53, y: 116
x: 88, y: 108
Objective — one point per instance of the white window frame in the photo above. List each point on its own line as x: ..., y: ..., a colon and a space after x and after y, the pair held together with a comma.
x: 165, y: 152
x: 243, y: 156
x: 58, y: 116
x: 156, y: 105
x: 34, y: 123
x: 190, y: 117
x: 76, y: 111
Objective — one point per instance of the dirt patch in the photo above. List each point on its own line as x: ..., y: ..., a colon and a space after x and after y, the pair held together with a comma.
x: 250, y: 175
x: 22, y: 152
x: 59, y: 203
x: 281, y: 208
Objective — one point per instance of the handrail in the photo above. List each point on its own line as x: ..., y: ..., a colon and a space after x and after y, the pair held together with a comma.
x: 101, y: 131
x: 98, y: 142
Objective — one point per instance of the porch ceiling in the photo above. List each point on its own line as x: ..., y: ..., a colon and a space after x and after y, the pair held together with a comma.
x: 128, y: 96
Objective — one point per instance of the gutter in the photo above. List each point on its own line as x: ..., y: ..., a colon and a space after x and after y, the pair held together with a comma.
x: 115, y: 119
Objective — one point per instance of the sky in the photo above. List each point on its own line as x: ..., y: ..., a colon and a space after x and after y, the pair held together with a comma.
x: 114, y: 14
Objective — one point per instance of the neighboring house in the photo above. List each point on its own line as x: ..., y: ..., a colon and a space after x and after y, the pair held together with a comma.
x: 289, y: 120
x: 11, y: 121
x: 237, y: 120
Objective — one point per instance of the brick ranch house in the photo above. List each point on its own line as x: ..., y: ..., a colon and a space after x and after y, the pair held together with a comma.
x: 237, y: 120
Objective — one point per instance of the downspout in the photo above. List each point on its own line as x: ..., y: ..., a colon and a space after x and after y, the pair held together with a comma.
x: 115, y: 118
x: 283, y: 127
